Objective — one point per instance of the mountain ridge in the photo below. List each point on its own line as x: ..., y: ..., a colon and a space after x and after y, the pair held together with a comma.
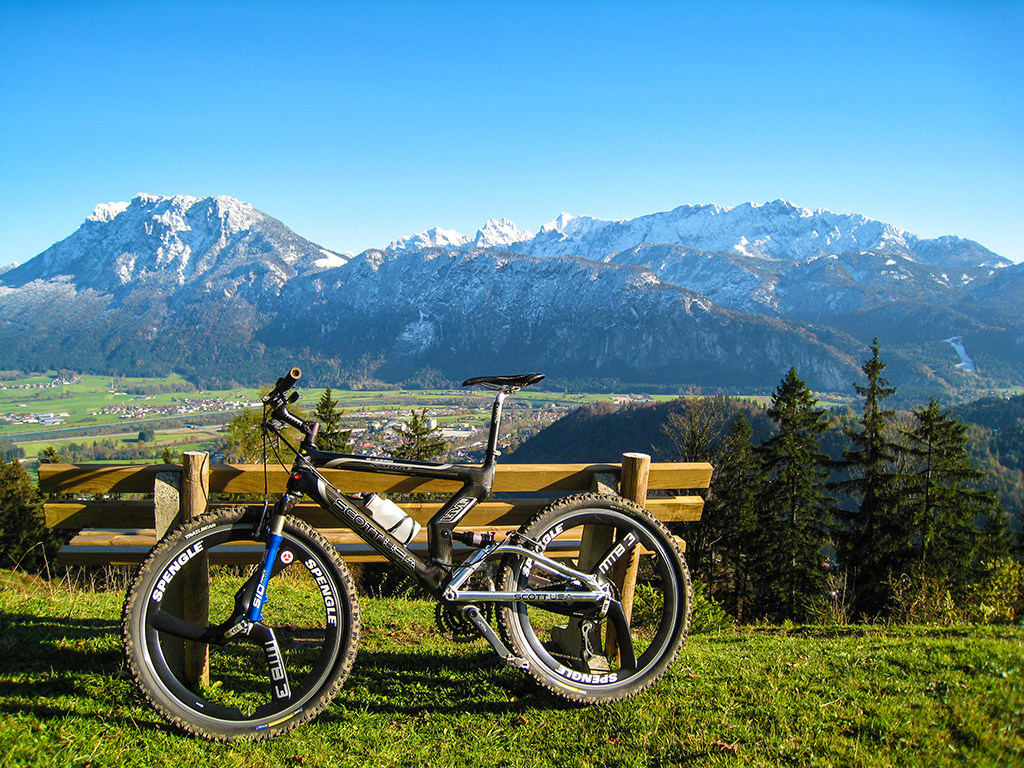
x: 215, y: 288
x: 777, y: 230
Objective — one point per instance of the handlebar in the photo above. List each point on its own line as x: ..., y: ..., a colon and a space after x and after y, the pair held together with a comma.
x: 287, y: 381
x: 279, y: 403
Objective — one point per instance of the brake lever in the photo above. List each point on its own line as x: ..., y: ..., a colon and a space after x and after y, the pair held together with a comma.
x: 274, y: 426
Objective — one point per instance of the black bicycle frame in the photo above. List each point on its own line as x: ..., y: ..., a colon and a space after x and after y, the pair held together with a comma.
x: 477, y: 482
x: 436, y: 573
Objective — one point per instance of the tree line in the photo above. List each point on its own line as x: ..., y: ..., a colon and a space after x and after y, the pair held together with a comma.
x: 790, y: 532
x: 862, y: 517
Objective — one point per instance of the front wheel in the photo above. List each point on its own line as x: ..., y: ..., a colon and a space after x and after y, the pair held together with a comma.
x: 571, y: 648
x: 266, y: 678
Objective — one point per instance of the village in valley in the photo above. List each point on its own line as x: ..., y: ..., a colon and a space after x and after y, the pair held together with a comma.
x: 66, y: 411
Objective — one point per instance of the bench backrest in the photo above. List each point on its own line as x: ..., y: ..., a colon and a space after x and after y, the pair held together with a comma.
x: 175, y: 493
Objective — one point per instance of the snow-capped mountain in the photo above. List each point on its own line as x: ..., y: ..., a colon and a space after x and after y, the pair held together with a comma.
x: 493, y: 234
x: 175, y: 241
x: 500, y: 233
x: 454, y: 310
x: 215, y: 289
x: 776, y: 231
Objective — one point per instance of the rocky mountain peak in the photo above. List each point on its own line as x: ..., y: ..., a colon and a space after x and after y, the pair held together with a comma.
x: 174, y: 240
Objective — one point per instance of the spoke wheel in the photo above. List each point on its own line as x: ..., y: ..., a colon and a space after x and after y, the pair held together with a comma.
x: 266, y: 678
x: 571, y: 649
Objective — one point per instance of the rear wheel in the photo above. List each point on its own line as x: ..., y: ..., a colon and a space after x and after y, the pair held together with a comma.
x: 266, y: 680
x: 571, y: 649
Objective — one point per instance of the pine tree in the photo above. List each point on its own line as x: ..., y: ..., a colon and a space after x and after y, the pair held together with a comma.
x: 948, y: 516
x: 419, y: 441
x: 871, y: 542
x: 24, y: 541
x: 331, y: 437
x: 795, y: 510
x: 732, y: 505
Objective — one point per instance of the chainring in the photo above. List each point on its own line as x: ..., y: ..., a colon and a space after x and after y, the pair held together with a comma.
x: 456, y: 627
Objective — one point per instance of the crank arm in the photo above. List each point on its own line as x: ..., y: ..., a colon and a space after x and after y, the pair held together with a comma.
x: 476, y: 618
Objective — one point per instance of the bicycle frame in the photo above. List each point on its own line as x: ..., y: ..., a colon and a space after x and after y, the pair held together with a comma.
x: 436, y: 573
x: 477, y: 482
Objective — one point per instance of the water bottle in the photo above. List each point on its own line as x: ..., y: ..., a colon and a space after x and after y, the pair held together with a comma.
x: 391, y: 517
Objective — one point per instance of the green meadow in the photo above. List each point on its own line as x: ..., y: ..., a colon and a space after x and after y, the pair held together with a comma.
x: 800, y: 696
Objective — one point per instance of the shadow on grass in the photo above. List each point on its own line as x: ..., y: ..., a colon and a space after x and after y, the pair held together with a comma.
x: 58, y: 644
x: 52, y: 657
x: 400, y: 682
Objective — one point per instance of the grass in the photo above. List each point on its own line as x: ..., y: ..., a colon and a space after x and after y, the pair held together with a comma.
x: 806, y: 696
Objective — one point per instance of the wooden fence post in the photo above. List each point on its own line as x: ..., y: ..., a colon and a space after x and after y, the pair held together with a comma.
x: 636, y: 470
x: 166, y: 502
x: 633, y: 482
x: 195, y: 495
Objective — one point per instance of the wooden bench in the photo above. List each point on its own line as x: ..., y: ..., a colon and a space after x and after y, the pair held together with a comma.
x: 118, y: 532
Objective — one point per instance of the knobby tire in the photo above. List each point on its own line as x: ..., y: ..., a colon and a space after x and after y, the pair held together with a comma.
x: 312, y: 612
x: 567, y: 648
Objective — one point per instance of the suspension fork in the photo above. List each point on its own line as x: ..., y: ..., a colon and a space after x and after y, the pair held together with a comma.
x: 254, y: 610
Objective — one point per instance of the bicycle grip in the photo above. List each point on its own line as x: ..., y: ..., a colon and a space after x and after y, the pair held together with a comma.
x: 287, y: 381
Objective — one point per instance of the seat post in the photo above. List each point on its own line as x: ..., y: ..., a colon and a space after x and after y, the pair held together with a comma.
x: 492, y: 439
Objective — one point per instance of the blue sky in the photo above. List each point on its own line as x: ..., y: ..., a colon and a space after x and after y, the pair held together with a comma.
x: 357, y: 123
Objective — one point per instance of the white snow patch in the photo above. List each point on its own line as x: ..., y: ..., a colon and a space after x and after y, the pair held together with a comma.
x: 330, y: 260
x: 107, y: 211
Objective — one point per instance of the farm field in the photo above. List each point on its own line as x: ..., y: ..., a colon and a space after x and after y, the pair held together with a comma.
x: 44, y: 411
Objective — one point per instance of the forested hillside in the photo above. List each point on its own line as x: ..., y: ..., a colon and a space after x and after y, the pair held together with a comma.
x: 807, y: 506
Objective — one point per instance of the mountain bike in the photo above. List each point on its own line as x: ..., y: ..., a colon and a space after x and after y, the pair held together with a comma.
x: 282, y: 639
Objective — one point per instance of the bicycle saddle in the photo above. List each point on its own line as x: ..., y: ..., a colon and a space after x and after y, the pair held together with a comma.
x: 504, y: 382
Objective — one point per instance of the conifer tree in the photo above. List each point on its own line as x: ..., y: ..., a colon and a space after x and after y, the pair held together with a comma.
x: 419, y: 441
x: 24, y: 541
x: 948, y: 516
x: 331, y: 436
x: 871, y: 542
x: 732, y: 505
x: 794, y: 509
